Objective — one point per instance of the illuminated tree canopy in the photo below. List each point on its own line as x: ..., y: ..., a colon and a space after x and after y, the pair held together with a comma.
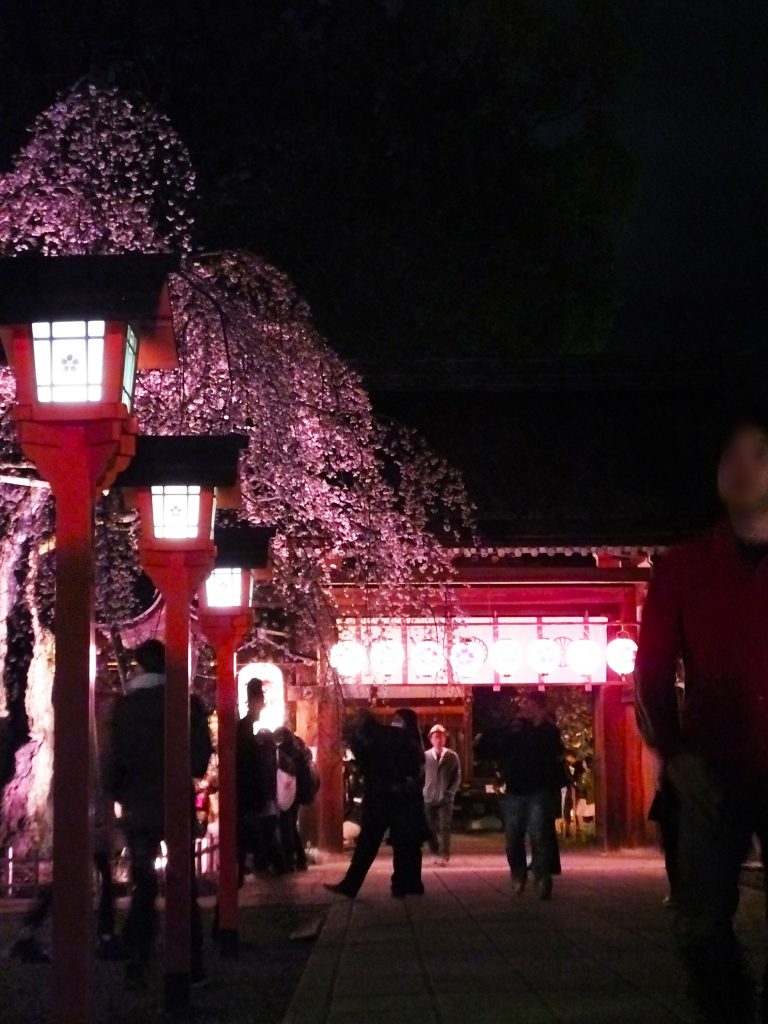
x: 103, y: 173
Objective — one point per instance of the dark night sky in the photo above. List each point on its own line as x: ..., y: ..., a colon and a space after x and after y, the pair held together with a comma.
x: 692, y: 267
x: 695, y: 271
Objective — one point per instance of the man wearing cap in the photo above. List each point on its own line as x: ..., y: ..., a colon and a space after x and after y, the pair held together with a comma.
x: 442, y: 777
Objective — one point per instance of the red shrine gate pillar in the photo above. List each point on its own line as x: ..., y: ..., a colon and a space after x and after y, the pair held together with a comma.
x: 619, y: 772
x: 330, y: 766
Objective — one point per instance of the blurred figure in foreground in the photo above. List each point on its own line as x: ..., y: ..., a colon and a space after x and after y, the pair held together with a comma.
x: 708, y: 603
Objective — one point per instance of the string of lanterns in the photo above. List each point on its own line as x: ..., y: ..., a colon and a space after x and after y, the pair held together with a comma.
x: 507, y: 657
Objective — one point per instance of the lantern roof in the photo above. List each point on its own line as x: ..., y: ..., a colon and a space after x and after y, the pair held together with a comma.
x: 130, y: 288
x: 198, y: 461
x: 243, y: 546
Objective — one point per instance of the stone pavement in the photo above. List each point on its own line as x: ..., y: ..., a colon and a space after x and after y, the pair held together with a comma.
x: 469, y: 950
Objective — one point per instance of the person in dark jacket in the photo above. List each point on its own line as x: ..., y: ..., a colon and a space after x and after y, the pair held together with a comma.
x: 256, y: 775
x: 708, y: 604
x: 247, y: 777
x: 391, y: 758
x: 532, y: 755
x: 135, y: 779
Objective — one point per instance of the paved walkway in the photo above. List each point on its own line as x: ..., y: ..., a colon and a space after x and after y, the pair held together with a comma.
x: 469, y: 950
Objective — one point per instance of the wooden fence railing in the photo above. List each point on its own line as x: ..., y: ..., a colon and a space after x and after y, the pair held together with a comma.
x: 23, y: 877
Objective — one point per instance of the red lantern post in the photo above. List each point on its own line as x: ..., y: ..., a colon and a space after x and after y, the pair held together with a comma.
x: 72, y: 340
x: 225, y: 629
x: 225, y: 619
x: 175, y: 479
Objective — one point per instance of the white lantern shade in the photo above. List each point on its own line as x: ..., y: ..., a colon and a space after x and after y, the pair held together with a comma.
x: 506, y: 656
x: 621, y: 653
x: 544, y: 656
x: 584, y: 657
x: 224, y: 589
x: 69, y: 360
x: 347, y: 657
x: 386, y: 657
x: 83, y: 362
x: 426, y: 659
x: 468, y: 655
x: 175, y: 511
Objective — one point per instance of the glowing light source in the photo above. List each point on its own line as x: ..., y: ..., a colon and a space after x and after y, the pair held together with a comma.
x: 386, y: 657
x: 224, y: 588
x: 69, y: 360
x: 175, y: 511
x: 348, y: 658
x: 273, y: 715
x: 621, y: 653
x: 467, y: 656
x: 506, y: 656
x: 584, y: 657
x: 426, y: 659
x: 544, y: 656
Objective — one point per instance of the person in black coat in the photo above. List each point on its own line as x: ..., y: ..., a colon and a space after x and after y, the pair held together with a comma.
x: 134, y: 777
x: 392, y: 762
x: 256, y: 781
x: 532, y: 755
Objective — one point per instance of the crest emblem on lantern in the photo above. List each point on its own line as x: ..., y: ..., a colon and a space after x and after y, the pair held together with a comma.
x: 544, y: 656
x: 426, y: 659
x: 467, y: 656
x: 386, y: 657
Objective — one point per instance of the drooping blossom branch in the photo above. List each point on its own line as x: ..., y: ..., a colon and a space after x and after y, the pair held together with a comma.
x: 104, y: 173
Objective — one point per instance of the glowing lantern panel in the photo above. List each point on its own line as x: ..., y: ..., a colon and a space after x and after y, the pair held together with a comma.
x: 347, y: 657
x: 223, y: 588
x: 175, y: 511
x: 621, y: 654
x: 69, y: 360
x: 584, y: 657
x: 544, y: 656
x: 506, y: 657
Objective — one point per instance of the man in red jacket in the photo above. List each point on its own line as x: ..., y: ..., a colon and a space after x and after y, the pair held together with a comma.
x: 707, y: 608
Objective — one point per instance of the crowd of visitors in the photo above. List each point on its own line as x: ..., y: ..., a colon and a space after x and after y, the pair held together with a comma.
x: 276, y: 776
x: 702, y: 704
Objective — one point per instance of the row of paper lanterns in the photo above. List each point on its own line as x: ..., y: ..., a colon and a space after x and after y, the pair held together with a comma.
x: 507, y: 657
